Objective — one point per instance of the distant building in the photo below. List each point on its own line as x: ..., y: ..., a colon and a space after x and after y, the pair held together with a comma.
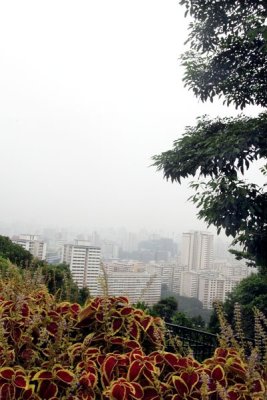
x: 189, y: 284
x: 109, y: 250
x: 213, y: 287
x: 197, y: 250
x: 137, y: 281
x: 31, y: 243
x: 84, y: 262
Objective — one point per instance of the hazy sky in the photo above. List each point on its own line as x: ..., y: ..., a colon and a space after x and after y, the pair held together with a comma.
x: 89, y: 92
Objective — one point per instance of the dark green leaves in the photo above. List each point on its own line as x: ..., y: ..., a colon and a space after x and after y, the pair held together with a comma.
x: 228, y: 51
x: 213, y: 147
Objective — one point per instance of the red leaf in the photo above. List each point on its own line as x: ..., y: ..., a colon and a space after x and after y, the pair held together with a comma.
x: 85, y: 315
x: 135, y: 370
x: 150, y: 393
x: 91, y: 353
x: 88, y: 379
x: 99, y: 316
x: 65, y: 376
x: 218, y: 373
x: 43, y: 374
x: 134, y: 330
x: 237, y: 367
x: 108, y: 366
x: 190, y: 378
x: 122, y: 390
x: 16, y: 334
x: 137, y: 392
x: 7, y: 373
x: 116, y: 340
x: 75, y: 308
x: 146, y: 322
x: 25, y: 310
x: 20, y: 382
x: 186, y: 362
x: 7, y: 391
x: 233, y: 395
x: 52, y: 328
x: 116, y: 325
x: 47, y: 390
x: 123, y: 299
x: 171, y: 359
x: 258, y: 387
x: 126, y: 311
x: 220, y: 352
x: 28, y: 394
x: 180, y: 385
x: 132, y: 344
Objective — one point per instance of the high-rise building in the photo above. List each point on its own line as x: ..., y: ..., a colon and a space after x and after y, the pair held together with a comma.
x: 31, y: 243
x: 189, y: 284
x: 197, y: 250
x: 137, y: 281
x: 214, y: 287
x: 84, y: 262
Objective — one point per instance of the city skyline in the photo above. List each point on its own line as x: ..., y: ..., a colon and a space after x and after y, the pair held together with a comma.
x: 85, y: 105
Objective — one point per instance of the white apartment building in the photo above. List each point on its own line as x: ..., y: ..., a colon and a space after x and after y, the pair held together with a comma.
x: 84, y: 262
x: 197, y: 250
x: 212, y: 287
x: 31, y: 243
x: 137, y: 281
x: 189, y: 283
x: 109, y: 250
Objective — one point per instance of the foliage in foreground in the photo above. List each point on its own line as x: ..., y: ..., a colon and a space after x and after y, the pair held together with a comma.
x: 106, y: 350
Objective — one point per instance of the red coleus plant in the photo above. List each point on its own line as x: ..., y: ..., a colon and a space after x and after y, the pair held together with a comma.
x: 106, y: 350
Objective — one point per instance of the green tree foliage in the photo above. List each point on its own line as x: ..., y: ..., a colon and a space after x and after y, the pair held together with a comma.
x: 57, y: 278
x: 4, y: 266
x: 165, y: 308
x: 227, y: 53
x: 14, y: 253
x: 182, y: 319
x: 251, y: 292
x: 59, y: 282
x: 228, y: 57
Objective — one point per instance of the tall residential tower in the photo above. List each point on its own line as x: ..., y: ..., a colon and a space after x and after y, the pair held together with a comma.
x: 84, y: 262
x: 197, y: 250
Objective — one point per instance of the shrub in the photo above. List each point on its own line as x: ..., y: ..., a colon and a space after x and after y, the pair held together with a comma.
x: 105, y: 350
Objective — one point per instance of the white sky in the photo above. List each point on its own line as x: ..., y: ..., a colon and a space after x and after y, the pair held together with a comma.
x: 89, y: 92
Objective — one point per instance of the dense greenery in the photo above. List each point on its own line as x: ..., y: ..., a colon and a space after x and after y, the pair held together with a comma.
x: 228, y: 57
x: 169, y: 309
x: 190, y: 306
x: 227, y: 53
x: 14, y: 253
x: 57, y: 278
x: 251, y: 292
x: 59, y: 282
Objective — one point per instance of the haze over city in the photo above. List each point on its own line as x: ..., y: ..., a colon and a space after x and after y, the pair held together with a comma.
x: 90, y: 91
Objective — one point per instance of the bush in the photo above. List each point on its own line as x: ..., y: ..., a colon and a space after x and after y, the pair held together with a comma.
x: 105, y: 350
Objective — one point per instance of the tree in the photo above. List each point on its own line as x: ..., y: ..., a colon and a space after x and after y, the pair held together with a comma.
x: 180, y: 318
x: 165, y: 308
x: 14, y: 253
x: 227, y: 53
x: 228, y: 57
x: 57, y: 278
x: 251, y: 292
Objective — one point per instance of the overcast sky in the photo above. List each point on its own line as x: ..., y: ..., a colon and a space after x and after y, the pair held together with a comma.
x: 89, y: 92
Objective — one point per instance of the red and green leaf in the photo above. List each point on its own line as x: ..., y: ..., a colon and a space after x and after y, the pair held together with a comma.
x: 65, y: 376
x: 180, y: 386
